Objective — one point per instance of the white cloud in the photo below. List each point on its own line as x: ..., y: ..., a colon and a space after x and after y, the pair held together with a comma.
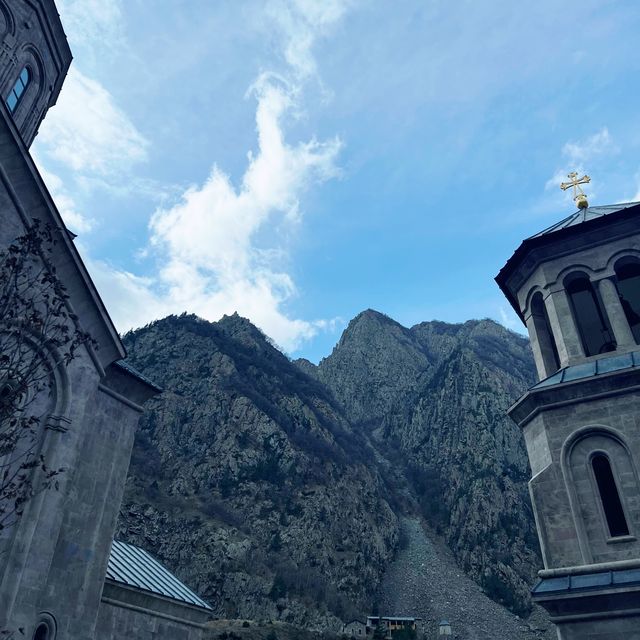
x: 578, y: 155
x: 301, y: 22
x: 583, y: 151
x: 210, y: 263
x: 212, y: 228
x: 75, y: 221
x: 130, y: 299
x: 93, y: 141
x: 206, y: 245
x: 92, y: 23
x: 88, y: 132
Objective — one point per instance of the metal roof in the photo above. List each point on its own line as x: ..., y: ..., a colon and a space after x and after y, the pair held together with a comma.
x: 583, y: 215
x: 123, y: 364
x: 588, y: 581
x: 592, y: 369
x: 136, y: 568
x: 392, y: 618
x: 591, y: 217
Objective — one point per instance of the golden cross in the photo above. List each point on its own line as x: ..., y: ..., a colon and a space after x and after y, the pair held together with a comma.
x: 578, y: 194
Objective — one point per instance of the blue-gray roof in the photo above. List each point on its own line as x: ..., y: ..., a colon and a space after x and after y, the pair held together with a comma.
x: 588, y: 581
x: 592, y: 369
x: 123, y: 364
x: 584, y: 215
x: 566, y: 227
x: 136, y: 568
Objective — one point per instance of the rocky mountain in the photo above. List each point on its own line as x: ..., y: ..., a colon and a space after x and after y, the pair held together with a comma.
x: 276, y: 489
x: 437, y: 395
x: 247, y: 478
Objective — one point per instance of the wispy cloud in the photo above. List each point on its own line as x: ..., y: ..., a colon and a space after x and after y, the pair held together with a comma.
x: 74, y: 219
x: 210, y: 261
x: 577, y: 156
x: 93, y: 26
x: 207, y: 248
x: 88, y: 132
x: 582, y: 151
x: 301, y: 23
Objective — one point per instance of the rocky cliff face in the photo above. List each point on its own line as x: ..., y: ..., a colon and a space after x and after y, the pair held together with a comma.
x: 274, y: 488
x: 437, y: 396
x: 248, y: 480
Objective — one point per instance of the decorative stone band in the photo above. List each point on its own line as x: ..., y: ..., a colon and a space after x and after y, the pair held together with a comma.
x: 595, y: 367
x: 589, y: 568
x: 581, y: 582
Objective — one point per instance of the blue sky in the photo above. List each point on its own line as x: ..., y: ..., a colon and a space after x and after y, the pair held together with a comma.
x: 302, y: 160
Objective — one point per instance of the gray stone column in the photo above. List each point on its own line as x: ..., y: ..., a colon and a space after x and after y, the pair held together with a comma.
x: 615, y: 312
x: 536, y: 348
x: 542, y: 342
x: 563, y: 327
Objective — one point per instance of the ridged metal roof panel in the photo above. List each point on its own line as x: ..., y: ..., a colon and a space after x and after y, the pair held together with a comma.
x: 584, y: 215
x: 591, y: 369
x: 123, y: 364
x: 136, y: 568
x: 586, y: 581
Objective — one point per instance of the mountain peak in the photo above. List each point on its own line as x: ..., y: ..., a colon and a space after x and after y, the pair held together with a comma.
x: 369, y: 315
x: 368, y: 323
x: 235, y: 321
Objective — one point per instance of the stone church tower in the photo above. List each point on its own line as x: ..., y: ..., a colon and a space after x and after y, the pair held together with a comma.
x: 576, y: 286
x: 60, y: 574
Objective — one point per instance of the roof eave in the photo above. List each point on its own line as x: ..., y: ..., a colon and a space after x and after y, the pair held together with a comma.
x: 537, y: 241
x: 111, y: 347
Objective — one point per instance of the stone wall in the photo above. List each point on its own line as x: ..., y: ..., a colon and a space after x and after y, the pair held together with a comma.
x: 127, y: 613
x: 627, y: 628
x: 571, y: 525
x: 52, y: 562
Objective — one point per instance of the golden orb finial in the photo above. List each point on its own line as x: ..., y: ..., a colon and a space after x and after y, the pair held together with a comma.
x: 578, y: 195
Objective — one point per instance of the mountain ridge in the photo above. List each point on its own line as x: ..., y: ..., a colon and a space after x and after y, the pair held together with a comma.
x: 287, y: 480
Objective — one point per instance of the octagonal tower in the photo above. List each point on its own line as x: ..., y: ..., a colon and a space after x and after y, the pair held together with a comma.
x: 576, y: 286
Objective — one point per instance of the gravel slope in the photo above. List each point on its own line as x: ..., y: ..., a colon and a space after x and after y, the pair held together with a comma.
x: 424, y: 581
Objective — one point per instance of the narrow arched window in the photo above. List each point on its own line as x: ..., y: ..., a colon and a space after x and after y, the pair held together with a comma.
x: 628, y: 284
x: 609, y: 496
x: 42, y: 632
x: 546, y: 341
x: 18, y: 89
x: 590, y: 318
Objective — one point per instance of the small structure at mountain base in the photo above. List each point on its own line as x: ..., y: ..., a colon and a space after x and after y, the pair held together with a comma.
x: 390, y: 625
x: 355, y: 629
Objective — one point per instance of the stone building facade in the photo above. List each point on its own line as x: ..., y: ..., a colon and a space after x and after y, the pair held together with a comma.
x: 576, y: 286
x: 53, y: 562
x: 355, y: 628
x: 392, y: 624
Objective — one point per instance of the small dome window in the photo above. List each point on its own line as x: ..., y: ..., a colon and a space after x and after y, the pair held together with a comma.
x: 18, y: 89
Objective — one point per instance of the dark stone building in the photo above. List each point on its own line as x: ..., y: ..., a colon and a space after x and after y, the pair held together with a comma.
x: 60, y: 577
x: 576, y: 286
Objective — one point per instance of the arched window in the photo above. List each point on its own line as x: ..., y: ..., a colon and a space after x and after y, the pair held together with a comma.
x: 18, y: 89
x: 546, y: 341
x: 590, y: 318
x: 628, y: 284
x: 47, y: 627
x: 42, y: 632
x: 609, y: 496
